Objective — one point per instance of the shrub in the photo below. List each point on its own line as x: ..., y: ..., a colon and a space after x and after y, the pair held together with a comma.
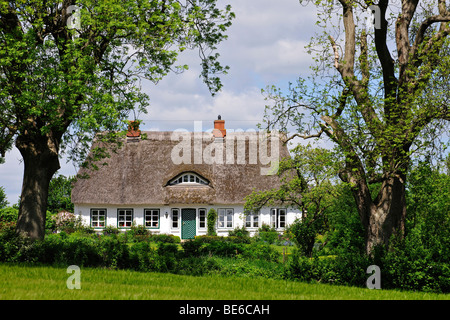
x: 192, y: 248
x: 9, y: 214
x: 410, y: 265
x: 211, y: 222
x: 110, y: 230
x: 114, y: 252
x: 165, y: 238
x: 342, y: 270
x: 64, y: 221
x: 168, y: 254
x: 267, y: 234
x: 138, y: 233
x: 241, y: 232
x: 258, y: 251
x: 143, y: 257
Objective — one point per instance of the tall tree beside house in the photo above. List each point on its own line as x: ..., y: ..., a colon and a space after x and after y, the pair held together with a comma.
x: 379, y: 91
x: 70, y: 69
x: 308, y: 183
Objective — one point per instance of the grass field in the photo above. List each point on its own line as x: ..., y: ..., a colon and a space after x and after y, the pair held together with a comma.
x: 38, y: 282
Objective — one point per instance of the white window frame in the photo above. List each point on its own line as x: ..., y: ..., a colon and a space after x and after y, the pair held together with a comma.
x: 96, y: 213
x: 151, y: 213
x: 278, y: 218
x: 225, y: 218
x: 175, y: 219
x: 128, y: 215
x: 202, y: 216
x: 250, y: 222
x: 188, y: 178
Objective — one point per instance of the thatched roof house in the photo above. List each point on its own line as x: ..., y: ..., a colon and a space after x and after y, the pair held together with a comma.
x: 180, y: 172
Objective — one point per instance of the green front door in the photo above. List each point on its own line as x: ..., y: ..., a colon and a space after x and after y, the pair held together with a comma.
x: 188, y: 227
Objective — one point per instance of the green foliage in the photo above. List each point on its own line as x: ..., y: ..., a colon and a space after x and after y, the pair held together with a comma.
x: 267, y: 234
x: 3, y: 202
x: 304, y: 234
x: 419, y: 261
x: 229, y: 247
x: 240, y: 232
x: 110, y: 230
x: 211, y: 222
x: 138, y: 233
x: 346, y: 269
x: 9, y: 214
x: 410, y: 265
x: 59, y: 194
x: 345, y: 232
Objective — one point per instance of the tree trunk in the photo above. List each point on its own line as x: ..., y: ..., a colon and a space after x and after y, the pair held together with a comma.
x: 383, y: 216
x: 40, y: 156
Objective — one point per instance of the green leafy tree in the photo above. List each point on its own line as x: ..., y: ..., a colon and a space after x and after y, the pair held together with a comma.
x: 309, y: 184
x: 72, y: 69
x: 59, y: 194
x: 3, y: 201
x: 379, y: 93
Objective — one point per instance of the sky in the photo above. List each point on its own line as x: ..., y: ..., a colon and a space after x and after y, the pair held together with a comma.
x: 265, y: 46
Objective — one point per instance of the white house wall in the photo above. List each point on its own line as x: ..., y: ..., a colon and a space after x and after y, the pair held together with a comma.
x: 165, y: 223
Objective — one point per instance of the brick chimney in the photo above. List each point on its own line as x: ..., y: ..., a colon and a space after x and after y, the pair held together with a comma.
x: 133, y: 133
x: 219, y: 130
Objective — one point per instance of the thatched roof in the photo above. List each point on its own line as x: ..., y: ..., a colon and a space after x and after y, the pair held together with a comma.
x: 139, y: 173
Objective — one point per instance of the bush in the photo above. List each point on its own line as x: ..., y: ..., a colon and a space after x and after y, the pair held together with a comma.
x: 241, y: 233
x: 257, y: 251
x: 165, y: 238
x: 192, y: 248
x: 110, y: 230
x: 66, y: 221
x: 138, y: 233
x: 143, y: 257
x: 341, y: 270
x: 410, y: 265
x: 9, y: 214
x: 267, y: 234
x: 211, y: 222
x: 168, y: 254
x: 114, y: 252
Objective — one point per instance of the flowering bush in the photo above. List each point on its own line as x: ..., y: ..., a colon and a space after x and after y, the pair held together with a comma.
x: 67, y: 222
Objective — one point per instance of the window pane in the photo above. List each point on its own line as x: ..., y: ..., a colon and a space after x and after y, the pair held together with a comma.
x: 282, y: 213
x: 151, y: 218
x: 202, y: 218
x: 175, y: 218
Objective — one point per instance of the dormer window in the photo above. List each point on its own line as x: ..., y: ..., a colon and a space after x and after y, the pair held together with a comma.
x: 188, y: 178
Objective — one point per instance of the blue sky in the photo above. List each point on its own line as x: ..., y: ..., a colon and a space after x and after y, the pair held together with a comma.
x: 265, y: 47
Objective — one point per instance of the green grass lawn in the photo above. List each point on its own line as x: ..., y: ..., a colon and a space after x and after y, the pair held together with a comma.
x: 39, y: 282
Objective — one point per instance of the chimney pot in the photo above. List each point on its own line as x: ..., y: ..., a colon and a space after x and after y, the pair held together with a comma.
x: 219, y: 128
x: 133, y: 129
